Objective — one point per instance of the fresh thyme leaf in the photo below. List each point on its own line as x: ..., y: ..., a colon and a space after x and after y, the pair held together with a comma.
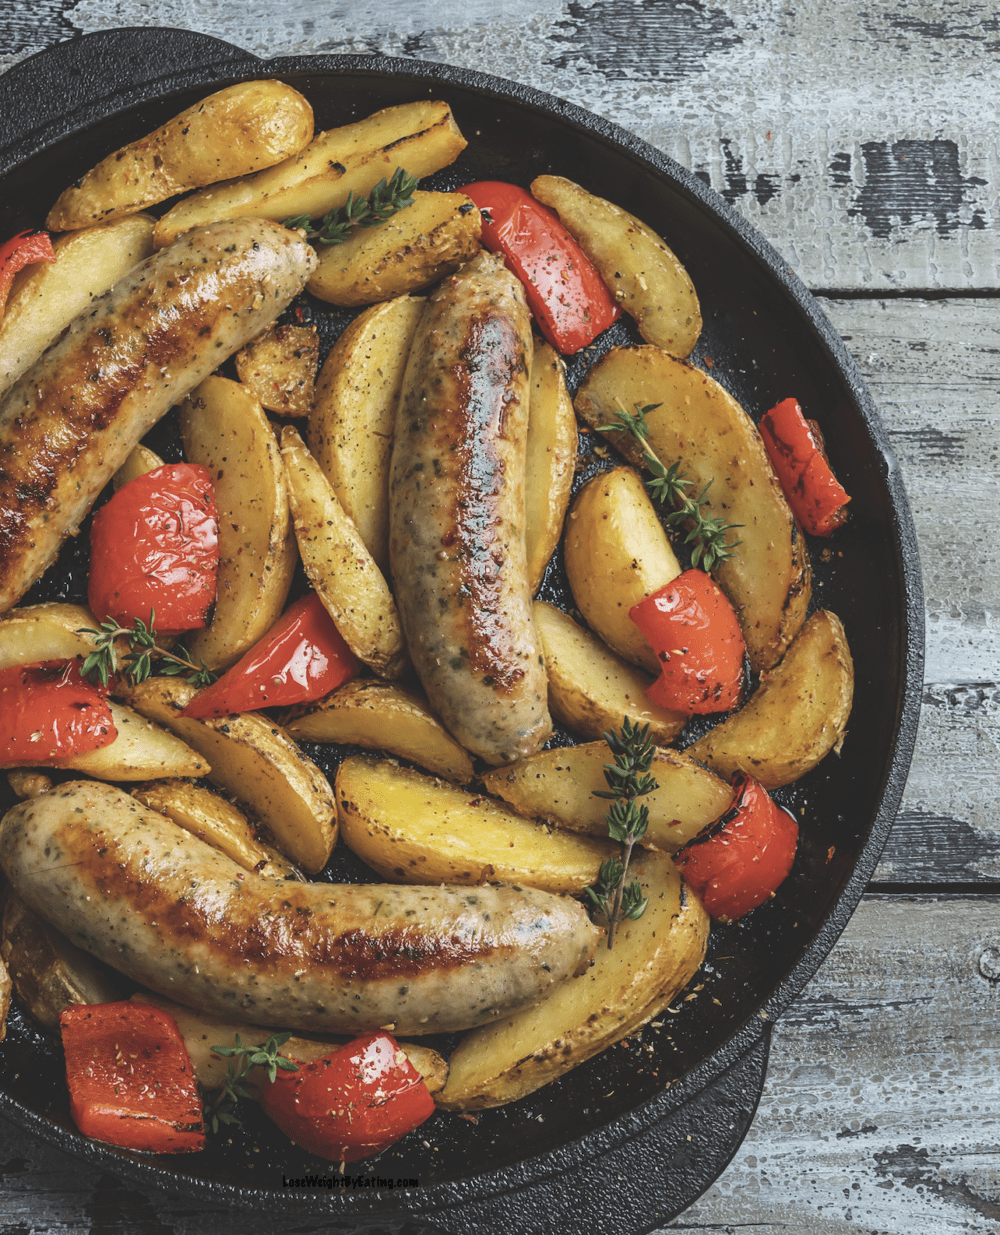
x: 386, y: 199
x: 138, y: 663
x: 219, y: 1109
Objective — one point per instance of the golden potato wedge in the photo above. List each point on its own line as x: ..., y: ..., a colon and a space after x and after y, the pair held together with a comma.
x: 49, y: 973
x: 617, y: 554
x: 768, y: 576
x: 354, y: 415
x: 551, y: 459
x: 653, y: 959
x: 139, y: 462
x: 379, y: 715
x: 796, y: 716
x: 420, y: 137
x: 558, y: 786
x: 224, y: 427
x: 639, y: 269
x: 201, y: 1032
x: 233, y: 132
x: 340, y: 568
x: 413, y: 829
x: 28, y: 782
x: 47, y: 296
x: 418, y: 246
x: 253, y: 759
x: 591, y: 690
x: 49, y: 631
x: 208, y: 816
x: 279, y: 369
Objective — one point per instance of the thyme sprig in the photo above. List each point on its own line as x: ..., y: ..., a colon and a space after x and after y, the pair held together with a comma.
x: 138, y: 664
x: 628, y: 779
x: 219, y: 1109
x: 386, y: 199
x: 668, y: 487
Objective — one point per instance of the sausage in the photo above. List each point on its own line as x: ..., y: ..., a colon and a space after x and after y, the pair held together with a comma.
x: 456, y: 524
x: 139, y: 893
x: 70, y: 422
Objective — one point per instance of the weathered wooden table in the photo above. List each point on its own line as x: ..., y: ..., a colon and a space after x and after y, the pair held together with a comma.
x: 861, y: 139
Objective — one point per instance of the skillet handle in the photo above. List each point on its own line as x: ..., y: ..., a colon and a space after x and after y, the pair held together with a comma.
x: 88, y: 78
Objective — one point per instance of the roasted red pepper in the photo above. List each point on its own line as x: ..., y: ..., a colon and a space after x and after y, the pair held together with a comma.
x: 352, y: 1103
x: 48, y: 711
x: 694, y: 632
x: 155, y: 546
x: 130, y: 1078
x: 20, y: 251
x: 795, y: 445
x: 739, y: 861
x: 302, y: 657
x: 565, y: 293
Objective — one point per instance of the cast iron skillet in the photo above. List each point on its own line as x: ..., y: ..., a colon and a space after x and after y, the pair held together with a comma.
x: 553, y: 1155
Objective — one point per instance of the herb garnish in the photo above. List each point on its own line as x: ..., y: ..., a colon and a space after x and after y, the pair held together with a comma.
x: 667, y: 486
x: 137, y: 667
x: 628, y: 778
x: 385, y: 200
x: 218, y: 1110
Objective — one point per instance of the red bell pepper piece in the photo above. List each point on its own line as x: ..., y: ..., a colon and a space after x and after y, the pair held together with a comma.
x: 568, y: 297
x: 155, y: 546
x: 302, y: 657
x: 739, y: 861
x: 20, y: 251
x: 352, y: 1103
x: 694, y: 632
x: 130, y: 1078
x: 795, y: 446
x: 48, y: 711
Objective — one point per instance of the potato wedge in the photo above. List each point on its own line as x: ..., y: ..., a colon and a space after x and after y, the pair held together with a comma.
x: 48, y: 631
x: 49, y: 973
x: 415, y: 248
x: 254, y: 760
x: 139, y: 462
x: 617, y: 554
x: 233, y: 132
x: 591, y: 689
x: 224, y: 427
x: 639, y: 269
x: 653, y: 959
x: 420, y: 137
x: 558, y: 786
x: 354, y: 415
x: 413, y: 829
x: 768, y: 577
x: 279, y: 369
x: 28, y: 782
x: 201, y: 1032
x: 381, y: 716
x: 797, y: 715
x: 47, y: 296
x: 551, y: 458
x: 340, y: 568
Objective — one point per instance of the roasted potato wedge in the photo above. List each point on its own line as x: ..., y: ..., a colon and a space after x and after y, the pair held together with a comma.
x: 421, y: 137
x: 354, y: 415
x: 697, y: 422
x: 379, y: 715
x: 47, y: 296
x: 416, y: 247
x: 139, y: 462
x: 559, y: 785
x: 591, y: 689
x: 224, y: 427
x: 28, y: 782
x: 653, y: 959
x: 639, y: 269
x: 340, y: 568
x: 253, y: 759
x: 413, y: 829
x: 797, y: 715
x: 279, y: 369
x: 49, y: 973
x: 233, y: 132
x: 617, y: 554
x: 551, y: 458
x: 50, y: 631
